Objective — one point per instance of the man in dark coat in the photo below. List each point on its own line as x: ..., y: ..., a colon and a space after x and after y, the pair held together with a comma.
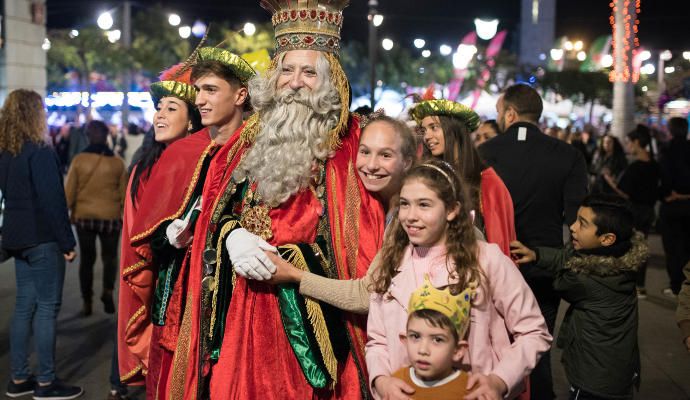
x: 547, y: 179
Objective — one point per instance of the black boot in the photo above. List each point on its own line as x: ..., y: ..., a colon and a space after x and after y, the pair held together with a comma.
x: 108, y: 304
x: 87, y: 309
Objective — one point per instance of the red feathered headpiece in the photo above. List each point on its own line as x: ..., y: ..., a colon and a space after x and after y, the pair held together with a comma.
x: 179, y: 73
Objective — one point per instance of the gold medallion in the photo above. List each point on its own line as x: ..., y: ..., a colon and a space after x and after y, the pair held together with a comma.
x: 256, y: 220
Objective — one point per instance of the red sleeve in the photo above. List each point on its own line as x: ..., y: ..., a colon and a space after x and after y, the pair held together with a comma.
x: 497, y: 210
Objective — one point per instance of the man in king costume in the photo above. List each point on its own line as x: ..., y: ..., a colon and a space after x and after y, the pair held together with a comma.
x: 290, y: 188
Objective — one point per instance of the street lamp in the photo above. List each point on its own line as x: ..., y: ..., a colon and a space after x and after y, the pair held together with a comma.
x: 114, y: 35
x: 556, y: 54
x: 463, y: 56
x: 419, y: 43
x: 486, y: 29
x: 647, y: 69
x: 669, y: 70
x: 249, y: 29
x: 198, y: 29
x: 105, y: 20
x: 645, y: 55
x: 46, y: 44
x: 426, y: 53
x: 581, y: 56
x: 174, y: 19
x: 73, y: 33
x: 375, y: 20
x: 185, y: 31
x: 577, y: 46
x: 445, y: 50
x: 686, y: 55
x: 665, y: 55
x: 606, y: 60
x: 387, y: 44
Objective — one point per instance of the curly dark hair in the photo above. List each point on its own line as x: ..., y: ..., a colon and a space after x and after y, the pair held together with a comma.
x: 461, y: 243
x: 22, y: 120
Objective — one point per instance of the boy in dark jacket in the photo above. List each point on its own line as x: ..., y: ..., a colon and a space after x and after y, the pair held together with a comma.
x: 596, y: 275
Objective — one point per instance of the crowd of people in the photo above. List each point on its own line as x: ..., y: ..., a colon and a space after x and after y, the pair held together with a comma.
x: 274, y: 245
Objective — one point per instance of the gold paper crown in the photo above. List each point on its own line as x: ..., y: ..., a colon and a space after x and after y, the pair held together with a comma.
x: 176, y: 82
x: 456, y: 308
x: 238, y: 65
x: 447, y: 108
x: 306, y: 24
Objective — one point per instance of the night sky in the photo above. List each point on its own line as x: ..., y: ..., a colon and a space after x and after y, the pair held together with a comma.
x: 663, y: 23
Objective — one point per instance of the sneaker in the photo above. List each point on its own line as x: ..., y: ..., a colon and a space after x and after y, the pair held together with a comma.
x: 115, y: 395
x: 15, y: 390
x: 641, y: 293
x: 669, y: 293
x: 57, y: 391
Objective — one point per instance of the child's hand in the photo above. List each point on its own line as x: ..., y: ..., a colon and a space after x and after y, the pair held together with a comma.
x: 521, y: 254
x: 390, y: 388
x: 486, y: 387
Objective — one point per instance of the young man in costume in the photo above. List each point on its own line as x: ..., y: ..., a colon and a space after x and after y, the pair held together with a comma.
x: 156, y: 251
x: 291, y: 189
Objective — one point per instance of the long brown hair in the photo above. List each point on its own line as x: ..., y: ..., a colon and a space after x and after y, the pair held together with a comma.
x: 459, y: 151
x: 461, y: 243
x: 22, y: 120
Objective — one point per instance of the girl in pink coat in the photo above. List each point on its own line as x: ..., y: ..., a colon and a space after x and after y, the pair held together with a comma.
x: 433, y: 235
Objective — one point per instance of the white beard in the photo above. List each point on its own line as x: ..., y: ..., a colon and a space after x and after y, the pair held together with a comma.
x: 294, y: 128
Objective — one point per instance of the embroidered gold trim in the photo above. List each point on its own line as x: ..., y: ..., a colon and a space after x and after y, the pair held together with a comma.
x: 315, y: 315
x: 128, y: 375
x: 188, y: 195
x: 180, y: 361
x: 133, y: 267
x: 351, y: 223
x: 134, y: 316
x: 219, y: 252
x: 336, y: 233
x: 251, y: 129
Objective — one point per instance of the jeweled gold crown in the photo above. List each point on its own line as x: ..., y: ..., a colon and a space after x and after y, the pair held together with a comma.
x: 306, y: 24
x: 455, y: 307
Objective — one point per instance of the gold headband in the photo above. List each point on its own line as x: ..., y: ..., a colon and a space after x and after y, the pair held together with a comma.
x: 445, y: 174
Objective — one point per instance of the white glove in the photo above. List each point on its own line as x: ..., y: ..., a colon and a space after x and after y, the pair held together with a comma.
x: 246, y: 251
x: 179, y: 232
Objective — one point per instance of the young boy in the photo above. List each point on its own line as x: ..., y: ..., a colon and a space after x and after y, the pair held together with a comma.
x: 596, y: 275
x: 435, y: 341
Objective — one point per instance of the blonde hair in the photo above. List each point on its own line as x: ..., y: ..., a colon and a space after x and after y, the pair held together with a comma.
x: 22, y: 120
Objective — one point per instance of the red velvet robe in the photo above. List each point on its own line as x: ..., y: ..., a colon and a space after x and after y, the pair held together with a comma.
x: 162, y: 197
x: 256, y: 360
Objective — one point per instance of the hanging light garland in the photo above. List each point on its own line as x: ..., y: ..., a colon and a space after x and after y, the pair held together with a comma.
x: 625, y: 73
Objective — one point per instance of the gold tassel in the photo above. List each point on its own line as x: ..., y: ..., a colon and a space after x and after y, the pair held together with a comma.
x: 315, y: 315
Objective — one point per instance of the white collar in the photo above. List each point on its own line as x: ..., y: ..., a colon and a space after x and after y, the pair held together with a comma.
x: 430, y: 384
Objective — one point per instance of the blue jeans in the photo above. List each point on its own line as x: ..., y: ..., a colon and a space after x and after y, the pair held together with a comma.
x: 40, y: 272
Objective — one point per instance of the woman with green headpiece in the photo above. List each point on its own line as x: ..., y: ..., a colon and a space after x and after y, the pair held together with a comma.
x: 446, y: 126
x: 176, y: 117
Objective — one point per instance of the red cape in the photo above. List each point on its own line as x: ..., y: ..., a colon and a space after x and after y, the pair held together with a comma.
x: 497, y: 210
x: 162, y: 197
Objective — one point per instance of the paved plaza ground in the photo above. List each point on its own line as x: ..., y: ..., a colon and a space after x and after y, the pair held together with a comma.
x: 85, y: 345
